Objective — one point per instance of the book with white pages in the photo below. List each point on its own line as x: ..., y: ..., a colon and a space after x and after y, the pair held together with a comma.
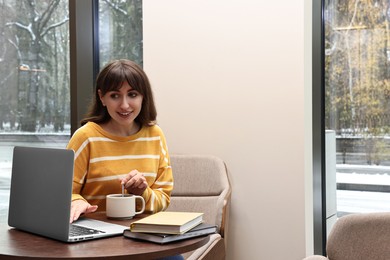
x: 167, y: 222
x: 202, y: 229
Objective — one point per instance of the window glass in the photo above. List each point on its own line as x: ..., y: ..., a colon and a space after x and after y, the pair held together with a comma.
x: 357, y: 95
x: 34, y: 80
x: 120, y: 31
x: 34, y: 71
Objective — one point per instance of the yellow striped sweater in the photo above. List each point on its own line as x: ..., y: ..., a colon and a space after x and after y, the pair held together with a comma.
x: 102, y: 158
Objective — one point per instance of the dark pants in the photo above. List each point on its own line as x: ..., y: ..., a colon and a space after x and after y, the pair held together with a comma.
x: 175, y: 257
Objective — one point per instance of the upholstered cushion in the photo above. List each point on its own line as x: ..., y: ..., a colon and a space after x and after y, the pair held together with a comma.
x: 201, y: 185
x: 198, y: 175
x: 360, y: 236
x: 208, y: 205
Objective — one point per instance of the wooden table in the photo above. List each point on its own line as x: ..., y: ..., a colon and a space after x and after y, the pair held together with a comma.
x: 16, y: 244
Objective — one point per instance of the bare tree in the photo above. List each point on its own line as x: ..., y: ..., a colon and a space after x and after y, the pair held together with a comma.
x: 35, y: 25
x: 357, y: 71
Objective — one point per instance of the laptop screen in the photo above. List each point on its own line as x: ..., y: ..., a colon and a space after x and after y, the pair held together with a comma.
x: 41, y: 188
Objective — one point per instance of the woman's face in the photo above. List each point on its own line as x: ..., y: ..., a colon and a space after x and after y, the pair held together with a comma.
x: 123, y: 105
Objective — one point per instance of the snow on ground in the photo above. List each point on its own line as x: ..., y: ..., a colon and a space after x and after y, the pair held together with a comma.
x: 5, y: 180
x: 362, y: 201
x: 359, y: 178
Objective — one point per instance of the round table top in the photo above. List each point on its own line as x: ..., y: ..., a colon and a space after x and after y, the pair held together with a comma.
x: 19, y: 244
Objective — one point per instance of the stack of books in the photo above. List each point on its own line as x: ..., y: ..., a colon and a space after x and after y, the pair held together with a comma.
x: 165, y: 227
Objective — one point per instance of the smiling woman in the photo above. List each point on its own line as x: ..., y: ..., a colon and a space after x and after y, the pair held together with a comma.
x: 119, y: 144
x: 125, y: 81
x: 123, y: 105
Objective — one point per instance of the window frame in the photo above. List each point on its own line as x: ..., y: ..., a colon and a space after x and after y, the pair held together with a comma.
x: 84, y: 56
x: 318, y: 127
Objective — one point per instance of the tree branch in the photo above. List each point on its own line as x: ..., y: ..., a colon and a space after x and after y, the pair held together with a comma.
x: 46, y: 30
x: 46, y: 15
x: 27, y: 28
x: 17, y: 49
x: 116, y: 7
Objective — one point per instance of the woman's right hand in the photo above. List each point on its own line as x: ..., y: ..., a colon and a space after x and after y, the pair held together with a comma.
x: 79, y: 207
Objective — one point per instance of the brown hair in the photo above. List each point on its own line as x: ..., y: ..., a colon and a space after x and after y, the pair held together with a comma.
x: 111, y: 78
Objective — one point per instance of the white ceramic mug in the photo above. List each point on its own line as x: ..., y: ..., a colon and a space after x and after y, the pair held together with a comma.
x: 123, y: 206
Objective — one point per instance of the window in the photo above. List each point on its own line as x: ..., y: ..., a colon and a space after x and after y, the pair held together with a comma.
x: 34, y: 80
x: 351, y: 96
x: 46, y: 78
x: 120, y: 31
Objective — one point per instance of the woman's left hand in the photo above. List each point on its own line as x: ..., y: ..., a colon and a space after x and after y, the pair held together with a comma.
x: 134, y: 182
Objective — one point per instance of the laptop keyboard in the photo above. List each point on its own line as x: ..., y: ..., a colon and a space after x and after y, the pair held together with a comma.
x: 75, y: 230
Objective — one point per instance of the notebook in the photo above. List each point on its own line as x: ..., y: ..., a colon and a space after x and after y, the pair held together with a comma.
x: 40, y: 197
x: 167, y: 222
x: 202, y: 229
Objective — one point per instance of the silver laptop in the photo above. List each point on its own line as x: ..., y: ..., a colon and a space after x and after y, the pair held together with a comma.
x: 40, y: 197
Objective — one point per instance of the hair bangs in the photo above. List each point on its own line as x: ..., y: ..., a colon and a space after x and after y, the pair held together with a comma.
x: 121, y: 73
x: 134, y: 78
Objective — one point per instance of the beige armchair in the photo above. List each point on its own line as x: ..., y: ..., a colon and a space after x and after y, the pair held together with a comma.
x: 360, y: 236
x: 202, y: 185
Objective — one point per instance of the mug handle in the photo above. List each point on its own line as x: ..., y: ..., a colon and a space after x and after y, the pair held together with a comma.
x: 143, y: 204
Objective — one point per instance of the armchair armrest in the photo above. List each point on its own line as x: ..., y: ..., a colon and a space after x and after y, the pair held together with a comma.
x: 225, y: 214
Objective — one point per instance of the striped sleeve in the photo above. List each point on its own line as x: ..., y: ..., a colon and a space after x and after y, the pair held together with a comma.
x: 77, y: 144
x: 157, y: 195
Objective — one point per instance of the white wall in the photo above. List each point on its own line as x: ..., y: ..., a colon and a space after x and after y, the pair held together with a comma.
x: 308, y: 126
x: 228, y: 77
